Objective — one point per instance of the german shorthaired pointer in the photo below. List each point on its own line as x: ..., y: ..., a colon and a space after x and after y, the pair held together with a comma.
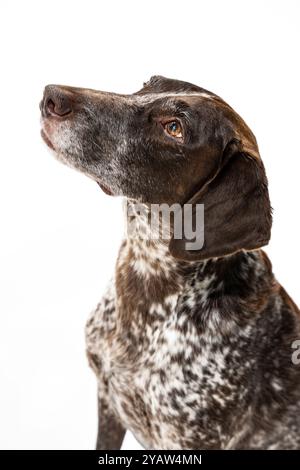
x: 192, y: 349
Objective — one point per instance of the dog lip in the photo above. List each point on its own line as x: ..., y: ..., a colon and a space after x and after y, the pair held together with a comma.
x: 47, y: 140
x: 105, y: 189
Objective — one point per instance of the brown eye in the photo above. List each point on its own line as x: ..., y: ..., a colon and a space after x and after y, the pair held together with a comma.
x: 174, y: 129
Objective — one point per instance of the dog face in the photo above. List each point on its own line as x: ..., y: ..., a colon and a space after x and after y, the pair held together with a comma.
x: 168, y: 143
x: 153, y: 146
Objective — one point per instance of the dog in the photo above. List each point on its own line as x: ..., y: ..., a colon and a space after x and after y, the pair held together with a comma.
x: 192, y: 348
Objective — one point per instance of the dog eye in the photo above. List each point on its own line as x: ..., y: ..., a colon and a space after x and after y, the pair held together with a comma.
x: 174, y: 129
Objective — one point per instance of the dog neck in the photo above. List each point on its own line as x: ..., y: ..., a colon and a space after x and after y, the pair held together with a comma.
x: 147, y: 271
x: 148, y: 239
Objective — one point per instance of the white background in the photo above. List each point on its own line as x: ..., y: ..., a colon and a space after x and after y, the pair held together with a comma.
x: 59, y: 232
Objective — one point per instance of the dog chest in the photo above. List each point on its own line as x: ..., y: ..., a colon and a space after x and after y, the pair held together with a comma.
x: 163, y: 385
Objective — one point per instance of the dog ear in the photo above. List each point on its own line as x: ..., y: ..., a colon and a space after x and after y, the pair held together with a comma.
x: 237, y: 211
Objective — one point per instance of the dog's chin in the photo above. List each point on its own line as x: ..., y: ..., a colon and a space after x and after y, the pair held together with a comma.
x: 47, y: 140
x: 105, y: 189
x: 60, y: 157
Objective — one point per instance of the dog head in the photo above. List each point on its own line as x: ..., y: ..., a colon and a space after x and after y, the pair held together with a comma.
x: 171, y: 142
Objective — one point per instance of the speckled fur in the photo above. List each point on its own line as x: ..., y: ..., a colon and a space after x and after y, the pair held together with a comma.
x: 198, y: 355
x: 192, y: 349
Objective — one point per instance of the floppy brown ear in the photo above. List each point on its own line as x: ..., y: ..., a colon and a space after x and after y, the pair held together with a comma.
x: 237, y: 211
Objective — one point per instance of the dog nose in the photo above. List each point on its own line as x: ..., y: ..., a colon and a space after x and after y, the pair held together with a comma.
x: 56, y: 102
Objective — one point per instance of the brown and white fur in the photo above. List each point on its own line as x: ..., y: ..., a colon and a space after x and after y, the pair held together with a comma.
x: 192, y: 350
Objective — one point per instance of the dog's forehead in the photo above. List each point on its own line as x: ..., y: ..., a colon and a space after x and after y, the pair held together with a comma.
x: 160, y: 84
x: 159, y: 87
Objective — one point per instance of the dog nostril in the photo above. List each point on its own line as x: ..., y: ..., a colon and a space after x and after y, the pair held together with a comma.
x: 56, y: 102
x: 50, y: 106
x: 60, y: 108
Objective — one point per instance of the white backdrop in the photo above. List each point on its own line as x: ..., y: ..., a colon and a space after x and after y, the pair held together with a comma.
x: 59, y: 238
